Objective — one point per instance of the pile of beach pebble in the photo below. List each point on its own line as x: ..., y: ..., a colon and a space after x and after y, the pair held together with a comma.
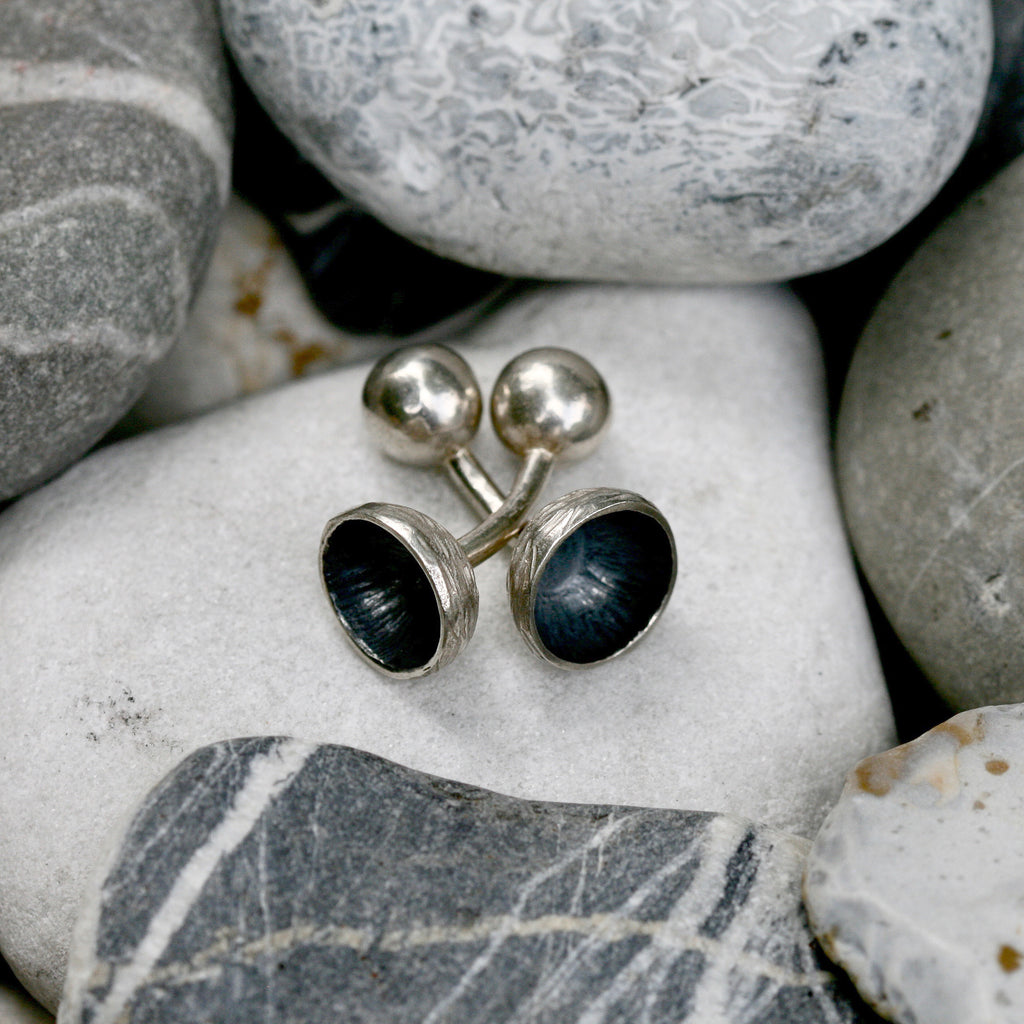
x: 791, y: 239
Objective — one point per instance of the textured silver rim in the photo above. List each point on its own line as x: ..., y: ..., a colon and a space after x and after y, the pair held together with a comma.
x: 443, y: 562
x: 541, y: 538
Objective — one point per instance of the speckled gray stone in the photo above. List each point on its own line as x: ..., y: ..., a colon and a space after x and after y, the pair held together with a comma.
x: 115, y: 122
x: 675, y: 142
x: 931, y: 451
x: 165, y: 593
x: 268, y: 879
x: 914, y: 883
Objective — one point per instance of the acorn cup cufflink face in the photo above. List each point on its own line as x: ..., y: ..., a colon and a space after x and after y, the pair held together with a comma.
x: 401, y: 586
x: 591, y: 572
x: 590, y: 575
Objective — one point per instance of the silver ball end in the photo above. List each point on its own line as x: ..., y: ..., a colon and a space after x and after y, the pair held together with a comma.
x: 421, y: 404
x: 553, y: 399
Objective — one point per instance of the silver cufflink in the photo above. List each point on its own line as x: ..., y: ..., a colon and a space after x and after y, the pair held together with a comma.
x: 590, y: 573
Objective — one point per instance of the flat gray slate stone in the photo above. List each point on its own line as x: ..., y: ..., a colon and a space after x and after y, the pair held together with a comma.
x: 116, y: 123
x: 282, y: 881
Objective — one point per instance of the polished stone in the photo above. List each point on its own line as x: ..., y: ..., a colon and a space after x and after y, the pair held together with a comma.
x: 930, y: 450
x: 692, y: 142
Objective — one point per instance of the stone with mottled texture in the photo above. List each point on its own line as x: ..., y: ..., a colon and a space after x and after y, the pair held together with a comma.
x: 270, y: 879
x: 364, y: 278
x: 914, y: 883
x: 931, y: 452
x: 115, y: 121
x: 676, y: 142
x: 165, y: 593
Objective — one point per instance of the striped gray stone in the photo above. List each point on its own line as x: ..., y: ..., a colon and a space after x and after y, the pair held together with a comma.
x: 115, y: 123
x: 269, y: 879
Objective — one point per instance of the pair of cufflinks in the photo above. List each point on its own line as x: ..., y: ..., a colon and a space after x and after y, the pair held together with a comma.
x: 590, y: 572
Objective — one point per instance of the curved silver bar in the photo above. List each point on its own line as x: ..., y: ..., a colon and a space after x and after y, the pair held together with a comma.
x: 506, y: 521
x: 473, y: 482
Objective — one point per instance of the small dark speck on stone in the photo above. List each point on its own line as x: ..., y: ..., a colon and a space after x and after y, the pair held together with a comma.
x: 943, y: 335
x: 923, y: 412
x: 477, y: 15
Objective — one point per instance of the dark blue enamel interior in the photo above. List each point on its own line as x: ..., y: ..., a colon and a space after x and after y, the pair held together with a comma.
x: 382, y: 595
x: 602, y: 586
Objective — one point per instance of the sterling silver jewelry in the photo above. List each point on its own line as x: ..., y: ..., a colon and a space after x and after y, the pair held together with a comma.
x: 400, y: 583
x: 591, y: 572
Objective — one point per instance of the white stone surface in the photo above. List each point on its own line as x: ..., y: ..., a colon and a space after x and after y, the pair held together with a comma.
x: 915, y: 883
x: 690, y: 141
x: 930, y: 450
x: 165, y: 594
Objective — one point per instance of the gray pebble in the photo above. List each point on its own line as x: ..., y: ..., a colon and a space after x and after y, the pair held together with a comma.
x: 277, y: 880
x: 931, y: 451
x: 116, y: 125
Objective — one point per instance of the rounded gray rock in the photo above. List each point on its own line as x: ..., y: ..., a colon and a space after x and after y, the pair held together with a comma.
x: 931, y: 451
x: 165, y: 593
x: 116, y: 124
x: 676, y: 142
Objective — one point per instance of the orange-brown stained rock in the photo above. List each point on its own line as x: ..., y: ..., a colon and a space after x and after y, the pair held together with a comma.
x: 304, y: 357
x: 876, y: 775
x: 996, y: 767
x: 1009, y: 959
x: 249, y: 303
x: 964, y: 736
x: 979, y: 805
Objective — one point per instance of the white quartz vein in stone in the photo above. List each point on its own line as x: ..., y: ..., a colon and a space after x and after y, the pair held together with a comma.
x: 48, y: 82
x: 555, y: 981
x: 268, y: 776
x: 604, y: 928
x: 498, y: 938
x: 695, y: 904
